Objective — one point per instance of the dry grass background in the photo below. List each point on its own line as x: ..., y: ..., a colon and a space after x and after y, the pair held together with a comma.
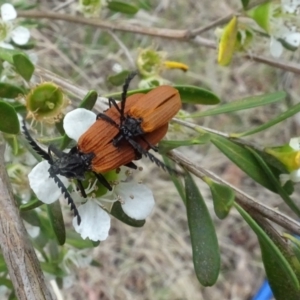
x: 155, y: 262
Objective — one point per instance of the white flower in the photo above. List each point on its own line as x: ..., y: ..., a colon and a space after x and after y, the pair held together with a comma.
x: 283, y: 28
x: 43, y: 185
x: 19, y: 35
x: 291, y: 6
x: 137, y: 200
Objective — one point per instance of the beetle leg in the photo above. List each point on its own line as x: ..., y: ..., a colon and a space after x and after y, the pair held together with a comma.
x: 112, y: 102
x: 131, y: 165
x: 103, y: 181
x: 34, y: 145
x: 154, y: 159
x: 68, y: 197
x: 81, y: 188
x: 154, y: 148
x: 107, y: 119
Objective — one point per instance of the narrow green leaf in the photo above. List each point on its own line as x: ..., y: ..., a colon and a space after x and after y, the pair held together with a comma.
x: 223, y: 198
x: 245, y: 3
x: 7, y: 54
x: 23, y: 65
x: 122, y: 7
x: 57, y: 221
x: 31, y: 217
x: 74, y: 239
x: 53, y: 269
x: 194, y: 95
x: 188, y: 94
x: 118, y: 79
x: 10, y: 91
x: 206, y: 254
x: 9, y: 119
x: 89, y: 100
x: 7, y: 283
x: 165, y: 146
x: 295, y: 243
x: 176, y: 180
x: 275, y: 182
x: 32, y: 204
x: 244, y: 159
x: 246, y: 103
x: 118, y: 213
x: 276, y: 265
x: 287, y: 114
x: 3, y: 267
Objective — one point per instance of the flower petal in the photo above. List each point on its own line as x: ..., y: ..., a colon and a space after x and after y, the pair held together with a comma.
x: 43, y: 186
x: 276, y: 47
x: 293, y: 39
x: 95, y: 222
x: 6, y: 45
x: 8, y: 12
x: 78, y: 121
x: 138, y: 200
x: 295, y: 143
x: 295, y: 176
x: 20, y: 35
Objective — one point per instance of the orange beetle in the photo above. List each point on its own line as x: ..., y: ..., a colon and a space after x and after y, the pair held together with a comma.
x: 150, y: 112
x: 96, y: 150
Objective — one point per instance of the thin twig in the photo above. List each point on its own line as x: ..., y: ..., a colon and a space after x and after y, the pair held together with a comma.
x: 115, y: 25
x: 242, y: 198
x: 181, y: 35
x: 22, y: 263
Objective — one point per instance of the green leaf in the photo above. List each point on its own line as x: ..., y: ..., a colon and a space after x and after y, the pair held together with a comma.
x: 188, y: 94
x: 194, y: 95
x: 290, y: 112
x: 74, y: 239
x: 176, y: 180
x: 206, y: 254
x: 223, y: 198
x: 291, y: 204
x: 89, y: 100
x: 7, y: 54
x: 122, y: 7
x: 9, y: 119
x: 261, y: 14
x: 118, y: 213
x: 246, y: 103
x: 32, y: 204
x: 3, y: 267
x: 245, y: 3
x: 31, y: 217
x: 7, y: 283
x: 118, y: 79
x: 245, y: 160
x: 10, y: 91
x: 165, y: 146
x: 53, y: 269
x: 23, y: 65
x: 276, y: 265
x: 57, y: 221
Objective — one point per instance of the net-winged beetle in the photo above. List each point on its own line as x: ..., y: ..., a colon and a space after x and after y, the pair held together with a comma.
x: 138, y: 118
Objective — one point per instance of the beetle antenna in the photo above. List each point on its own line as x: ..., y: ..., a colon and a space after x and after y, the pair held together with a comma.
x: 154, y: 159
x: 34, y: 145
x: 67, y: 196
x: 124, y: 95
